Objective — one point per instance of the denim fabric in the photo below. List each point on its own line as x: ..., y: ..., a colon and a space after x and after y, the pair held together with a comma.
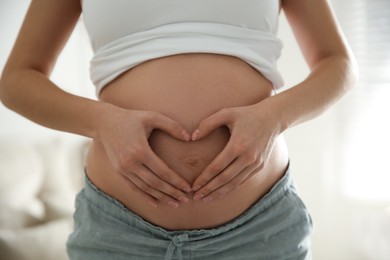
x: 277, y: 226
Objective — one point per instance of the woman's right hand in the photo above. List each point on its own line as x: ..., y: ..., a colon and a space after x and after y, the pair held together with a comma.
x: 124, y: 135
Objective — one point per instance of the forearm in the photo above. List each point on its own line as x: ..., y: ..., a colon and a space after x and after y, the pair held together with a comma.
x: 32, y: 95
x: 328, y: 81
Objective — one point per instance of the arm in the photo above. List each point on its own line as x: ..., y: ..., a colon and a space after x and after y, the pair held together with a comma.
x: 25, y: 88
x: 255, y: 128
x: 333, y: 67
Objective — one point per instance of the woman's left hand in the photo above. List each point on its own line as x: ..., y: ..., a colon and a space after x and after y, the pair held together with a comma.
x: 253, y: 132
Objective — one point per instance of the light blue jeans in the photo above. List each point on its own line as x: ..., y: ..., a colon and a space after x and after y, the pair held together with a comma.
x: 278, y: 226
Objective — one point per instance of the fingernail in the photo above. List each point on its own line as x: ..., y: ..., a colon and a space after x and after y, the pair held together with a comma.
x: 195, y: 135
x: 187, y: 189
x: 198, y: 196
x: 173, y: 204
x: 184, y: 199
x: 197, y: 187
x: 207, y: 199
x: 186, y: 135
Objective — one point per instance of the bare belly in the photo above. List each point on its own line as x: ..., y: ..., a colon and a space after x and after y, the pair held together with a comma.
x: 188, y: 88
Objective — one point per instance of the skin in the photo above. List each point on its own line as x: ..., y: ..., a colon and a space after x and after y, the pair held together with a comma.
x: 25, y: 88
x: 333, y: 72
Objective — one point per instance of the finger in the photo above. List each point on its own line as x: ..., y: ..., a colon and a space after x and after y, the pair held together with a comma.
x: 207, y: 125
x: 221, y: 161
x: 167, y: 124
x: 149, y: 191
x: 254, y: 171
x: 237, y: 181
x: 150, y: 199
x: 161, y: 169
x: 222, y: 179
x: 160, y: 185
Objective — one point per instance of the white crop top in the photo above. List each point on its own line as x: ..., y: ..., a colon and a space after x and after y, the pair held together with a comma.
x: 125, y: 33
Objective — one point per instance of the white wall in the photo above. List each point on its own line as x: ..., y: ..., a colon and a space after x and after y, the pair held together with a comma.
x: 313, y: 146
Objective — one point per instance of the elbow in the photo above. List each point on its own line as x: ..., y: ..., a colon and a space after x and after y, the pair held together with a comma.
x: 6, y: 95
x: 3, y: 89
x: 343, y: 66
x: 351, y: 67
x: 346, y: 70
x: 351, y: 72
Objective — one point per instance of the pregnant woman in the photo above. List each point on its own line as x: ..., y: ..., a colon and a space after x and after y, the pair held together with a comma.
x: 187, y: 159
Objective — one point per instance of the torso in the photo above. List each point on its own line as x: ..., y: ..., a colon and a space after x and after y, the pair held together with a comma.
x: 188, y: 88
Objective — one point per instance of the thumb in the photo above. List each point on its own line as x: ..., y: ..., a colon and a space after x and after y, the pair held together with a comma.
x: 207, y: 125
x: 170, y: 126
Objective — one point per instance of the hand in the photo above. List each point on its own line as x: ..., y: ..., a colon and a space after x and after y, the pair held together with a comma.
x: 253, y: 133
x: 124, y: 135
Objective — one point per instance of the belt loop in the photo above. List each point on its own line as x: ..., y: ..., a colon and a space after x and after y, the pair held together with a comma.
x: 176, y: 243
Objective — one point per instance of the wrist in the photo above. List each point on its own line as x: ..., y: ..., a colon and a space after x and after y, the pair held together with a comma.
x: 272, y: 110
x: 101, y: 117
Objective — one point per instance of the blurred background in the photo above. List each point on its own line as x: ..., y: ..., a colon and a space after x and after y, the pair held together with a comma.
x: 340, y: 160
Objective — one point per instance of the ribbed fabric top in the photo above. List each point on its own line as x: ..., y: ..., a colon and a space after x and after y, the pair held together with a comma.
x: 125, y: 33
